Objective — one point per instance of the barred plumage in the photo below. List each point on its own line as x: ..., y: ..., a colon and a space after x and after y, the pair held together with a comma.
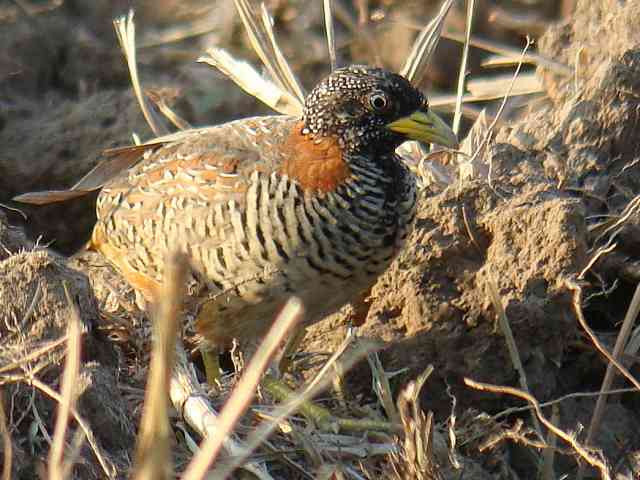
x: 268, y: 207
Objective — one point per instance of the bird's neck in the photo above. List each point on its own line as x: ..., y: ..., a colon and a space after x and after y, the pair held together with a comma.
x: 323, y: 162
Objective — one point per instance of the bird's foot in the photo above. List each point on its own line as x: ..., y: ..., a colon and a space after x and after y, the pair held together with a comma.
x: 321, y: 416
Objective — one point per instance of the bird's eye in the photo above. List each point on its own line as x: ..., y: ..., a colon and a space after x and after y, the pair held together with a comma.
x: 379, y: 101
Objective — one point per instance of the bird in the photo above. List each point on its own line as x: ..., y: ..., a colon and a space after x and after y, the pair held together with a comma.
x: 315, y: 206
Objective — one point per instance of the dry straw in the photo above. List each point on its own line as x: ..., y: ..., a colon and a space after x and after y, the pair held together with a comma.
x: 153, y: 445
x: 59, y: 468
x: 7, y: 444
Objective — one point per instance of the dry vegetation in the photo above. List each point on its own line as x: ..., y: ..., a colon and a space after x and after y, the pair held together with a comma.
x: 500, y: 344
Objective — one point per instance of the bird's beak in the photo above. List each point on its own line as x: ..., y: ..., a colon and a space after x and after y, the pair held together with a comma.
x: 425, y: 126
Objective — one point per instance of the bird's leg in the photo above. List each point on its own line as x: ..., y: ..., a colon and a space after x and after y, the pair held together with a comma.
x: 284, y: 360
x: 211, y: 361
x: 356, y: 317
x: 210, y: 349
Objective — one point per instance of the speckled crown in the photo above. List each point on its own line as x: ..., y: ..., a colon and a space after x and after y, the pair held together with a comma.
x: 339, y: 105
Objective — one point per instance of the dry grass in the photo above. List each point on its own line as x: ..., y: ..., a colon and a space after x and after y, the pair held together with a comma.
x: 125, y: 29
x: 60, y: 467
x: 153, y: 444
x: 514, y: 353
x: 594, y: 459
x: 7, y: 444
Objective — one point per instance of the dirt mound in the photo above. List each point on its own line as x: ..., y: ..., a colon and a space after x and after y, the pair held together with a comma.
x: 38, y: 292
x: 598, y: 33
x: 12, y: 239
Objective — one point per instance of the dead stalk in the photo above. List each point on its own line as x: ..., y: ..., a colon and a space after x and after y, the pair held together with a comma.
x: 331, y: 38
x: 106, y: 465
x: 382, y: 388
x: 512, y: 347
x: 577, y: 305
x: 194, y: 407
x: 555, y: 401
x: 126, y: 33
x: 68, y: 395
x: 7, y: 444
x: 424, y: 46
x: 618, y: 349
x: 582, y: 451
x: 547, y: 471
x: 492, y: 126
x: 153, y: 447
x: 462, y: 75
x: 510, y: 52
x: 20, y: 363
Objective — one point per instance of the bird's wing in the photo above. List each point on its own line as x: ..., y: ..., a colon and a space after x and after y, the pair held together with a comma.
x: 184, y: 189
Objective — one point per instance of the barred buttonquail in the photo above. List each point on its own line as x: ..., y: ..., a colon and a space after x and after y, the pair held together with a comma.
x: 269, y: 207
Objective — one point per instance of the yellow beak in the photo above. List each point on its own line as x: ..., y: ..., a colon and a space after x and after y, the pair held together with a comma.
x: 426, y: 127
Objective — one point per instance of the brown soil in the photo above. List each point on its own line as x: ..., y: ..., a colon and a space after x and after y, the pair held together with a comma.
x: 565, y: 166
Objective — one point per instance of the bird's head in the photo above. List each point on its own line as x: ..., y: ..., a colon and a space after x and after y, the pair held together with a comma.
x: 371, y: 109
